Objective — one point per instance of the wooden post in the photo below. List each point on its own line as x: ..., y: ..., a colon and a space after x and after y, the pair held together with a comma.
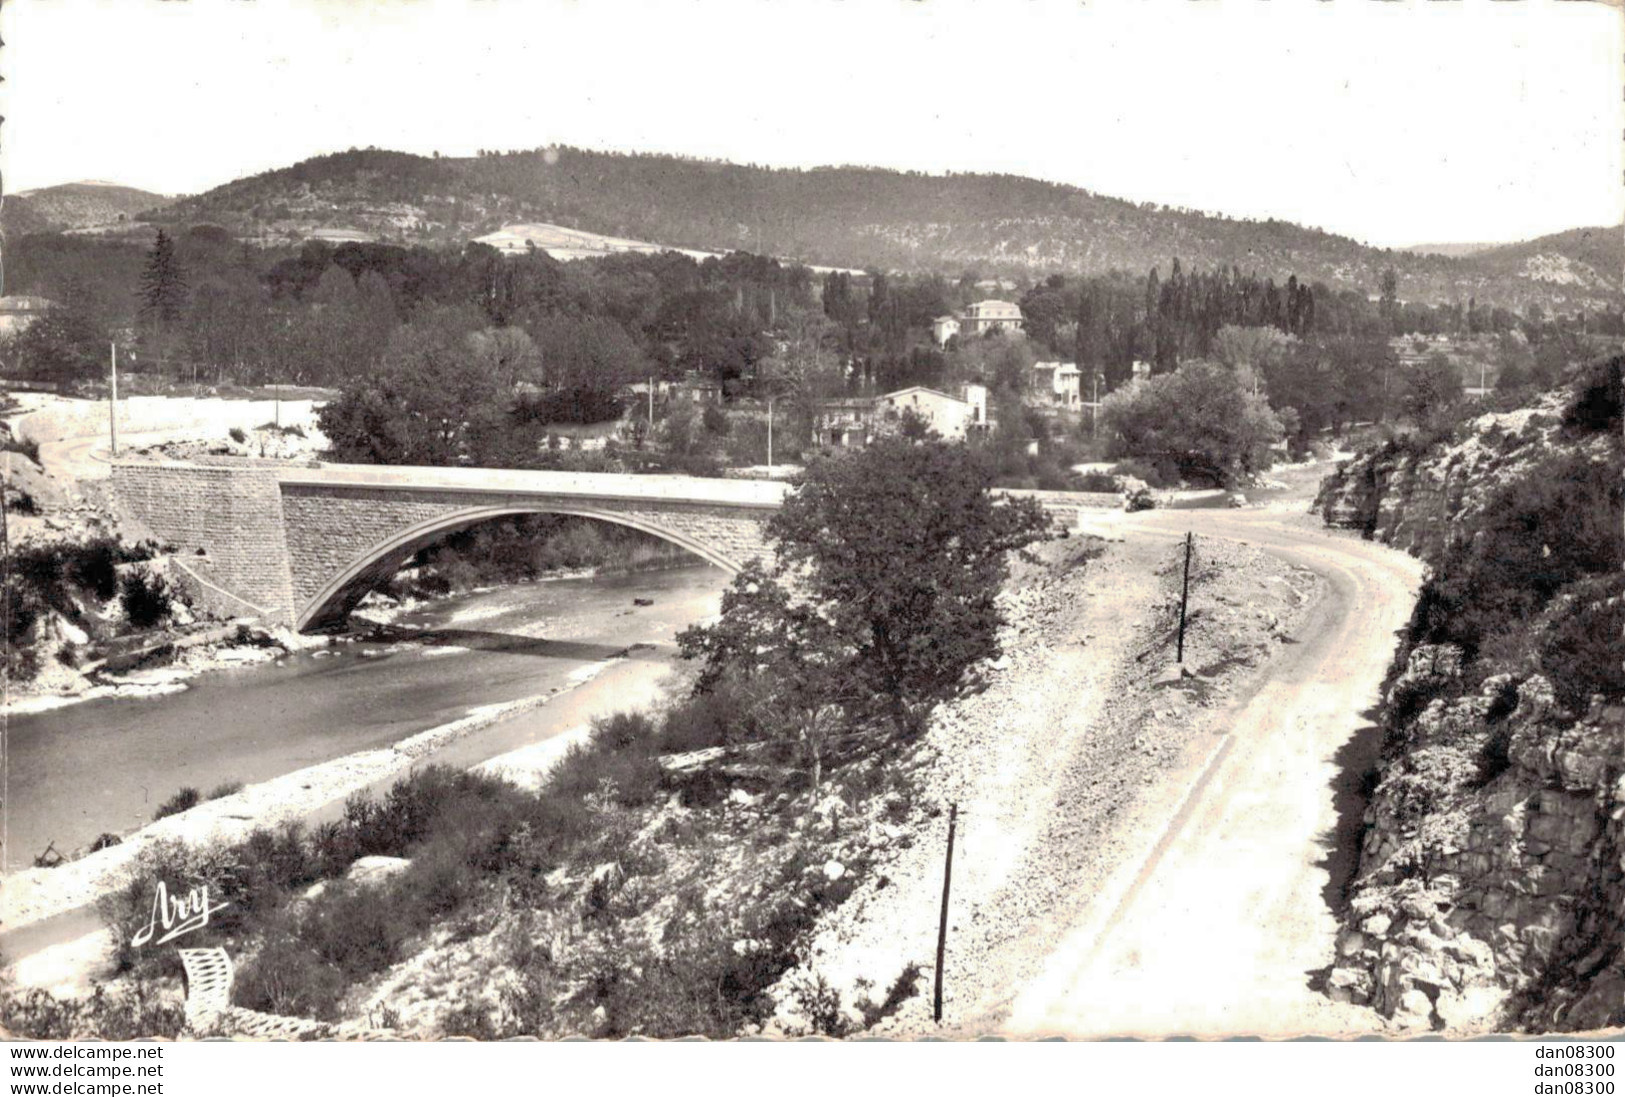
x: 942, y: 926
x: 770, y: 436
x: 1184, y: 594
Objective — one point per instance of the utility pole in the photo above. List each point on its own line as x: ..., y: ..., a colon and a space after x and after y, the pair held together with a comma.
x: 942, y: 925
x: 770, y: 437
x: 1184, y: 594
x: 112, y: 402
x: 651, y: 403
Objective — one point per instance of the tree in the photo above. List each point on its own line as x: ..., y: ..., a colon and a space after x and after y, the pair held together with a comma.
x: 64, y: 345
x: 583, y: 365
x: 163, y: 282
x: 1431, y: 387
x: 163, y: 292
x: 1388, y: 301
x: 428, y: 402
x: 895, y: 556
x: 1197, y: 421
x: 1249, y: 351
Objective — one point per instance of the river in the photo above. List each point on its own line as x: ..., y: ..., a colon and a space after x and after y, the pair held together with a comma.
x: 106, y: 765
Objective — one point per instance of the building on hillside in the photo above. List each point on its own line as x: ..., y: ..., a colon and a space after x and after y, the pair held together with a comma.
x: 955, y: 418
x: 990, y: 315
x: 18, y: 311
x: 858, y: 420
x: 698, y: 388
x: 844, y: 421
x: 1057, y: 382
x: 977, y: 319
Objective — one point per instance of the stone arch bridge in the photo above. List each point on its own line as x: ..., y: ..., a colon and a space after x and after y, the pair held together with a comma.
x: 300, y: 545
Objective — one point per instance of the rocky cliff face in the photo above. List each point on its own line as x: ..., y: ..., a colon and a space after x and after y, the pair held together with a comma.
x: 1491, y: 885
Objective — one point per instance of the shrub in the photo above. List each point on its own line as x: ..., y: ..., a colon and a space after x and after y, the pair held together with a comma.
x: 228, y: 788
x: 25, y: 446
x: 146, y: 599
x: 286, y: 976
x: 1577, y: 642
x: 1555, y: 524
x: 1597, y: 402
x: 238, y: 435
x: 184, y: 800
x: 1095, y: 480
x: 140, y: 1012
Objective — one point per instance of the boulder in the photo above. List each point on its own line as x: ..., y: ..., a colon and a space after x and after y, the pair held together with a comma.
x: 375, y: 870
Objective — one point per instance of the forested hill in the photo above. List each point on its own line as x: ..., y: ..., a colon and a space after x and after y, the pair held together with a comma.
x: 75, y: 206
x: 859, y: 217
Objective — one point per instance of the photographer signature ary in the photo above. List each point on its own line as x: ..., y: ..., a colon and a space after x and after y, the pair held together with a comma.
x: 176, y: 915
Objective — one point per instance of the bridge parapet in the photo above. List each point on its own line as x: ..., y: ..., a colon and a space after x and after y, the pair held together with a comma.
x: 306, y: 543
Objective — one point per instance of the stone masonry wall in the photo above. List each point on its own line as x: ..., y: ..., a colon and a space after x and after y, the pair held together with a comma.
x: 330, y: 529
x: 233, y: 515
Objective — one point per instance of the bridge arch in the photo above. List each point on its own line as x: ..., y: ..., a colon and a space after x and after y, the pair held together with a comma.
x: 330, y: 606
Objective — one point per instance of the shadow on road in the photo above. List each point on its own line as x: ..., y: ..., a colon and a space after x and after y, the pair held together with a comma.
x: 1351, y: 791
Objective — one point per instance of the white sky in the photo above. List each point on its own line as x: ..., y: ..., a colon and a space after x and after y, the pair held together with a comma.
x: 1406, y: 122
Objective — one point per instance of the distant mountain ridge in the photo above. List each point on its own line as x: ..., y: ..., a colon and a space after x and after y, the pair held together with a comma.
x: 76, y: 207
x: 860, y: 217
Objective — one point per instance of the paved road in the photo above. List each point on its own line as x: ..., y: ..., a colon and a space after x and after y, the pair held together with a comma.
x: 1216, y: 929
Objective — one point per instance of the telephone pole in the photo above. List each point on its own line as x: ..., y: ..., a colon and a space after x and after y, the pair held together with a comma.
x: 942, y: 926
x: 1184, y: 595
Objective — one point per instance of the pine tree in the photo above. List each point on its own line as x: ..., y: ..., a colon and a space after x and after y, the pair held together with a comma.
x: 163, y: 293
x: 163, y: 283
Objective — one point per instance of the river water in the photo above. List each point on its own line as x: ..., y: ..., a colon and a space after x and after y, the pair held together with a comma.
x: 106, y: 765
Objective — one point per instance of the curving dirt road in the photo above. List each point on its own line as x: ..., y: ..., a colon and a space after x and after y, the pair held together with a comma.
x: 1218, y: 925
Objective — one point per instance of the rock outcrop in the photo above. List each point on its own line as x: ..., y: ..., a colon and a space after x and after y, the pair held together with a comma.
x: 1491, y: 886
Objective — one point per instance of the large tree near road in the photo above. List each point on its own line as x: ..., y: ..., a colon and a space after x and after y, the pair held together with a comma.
x: 889, y: 563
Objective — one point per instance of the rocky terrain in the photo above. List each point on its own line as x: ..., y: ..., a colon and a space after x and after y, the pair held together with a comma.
x: 1491, y: 887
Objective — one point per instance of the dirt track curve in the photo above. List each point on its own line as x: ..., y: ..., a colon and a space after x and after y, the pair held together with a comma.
x: 1219, y: 927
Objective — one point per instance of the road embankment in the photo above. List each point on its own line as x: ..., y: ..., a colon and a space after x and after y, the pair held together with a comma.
x: 1069, y: 765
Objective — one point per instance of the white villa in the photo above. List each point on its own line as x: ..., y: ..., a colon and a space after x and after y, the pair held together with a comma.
x: 978, y: 319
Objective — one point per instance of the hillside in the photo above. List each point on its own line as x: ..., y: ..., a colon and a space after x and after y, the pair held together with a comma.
x: 74, y: 207
x: 858, y: 217
x: 1492, y: 875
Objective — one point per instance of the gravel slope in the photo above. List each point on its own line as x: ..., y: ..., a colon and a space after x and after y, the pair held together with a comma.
x: 1060, y: 766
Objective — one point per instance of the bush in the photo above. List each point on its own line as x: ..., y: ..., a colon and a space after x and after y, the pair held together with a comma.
x: 238, y: 435
x: 25, y: 446
x: 221, y: 791
x: 715, y: 421
x: 1095, y: 480
x: 1557, y: 523
x: 146, y: 599
x: 1577, y: 642
x: 184, y: 800
x: 140, y: 1012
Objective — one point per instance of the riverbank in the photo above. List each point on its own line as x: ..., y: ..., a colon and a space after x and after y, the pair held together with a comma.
x: 33, y: 895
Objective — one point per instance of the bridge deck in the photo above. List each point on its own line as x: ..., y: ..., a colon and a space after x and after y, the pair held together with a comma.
x: 595, y: 485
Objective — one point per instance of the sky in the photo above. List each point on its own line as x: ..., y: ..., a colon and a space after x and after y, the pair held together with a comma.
x: 1405, y: 122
